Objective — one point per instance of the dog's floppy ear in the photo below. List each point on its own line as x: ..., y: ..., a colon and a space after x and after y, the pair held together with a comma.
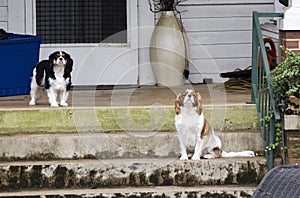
x: 51, y: 58
x: 69, y: 65
x: 49, y: 68
x: 178, y: 104
x: 198, y: 102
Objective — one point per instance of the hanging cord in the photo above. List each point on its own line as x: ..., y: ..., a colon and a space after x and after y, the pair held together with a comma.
x: 155, y: 6
x: 186, y: 71
x: 164, y: 5
x: 239, y: 84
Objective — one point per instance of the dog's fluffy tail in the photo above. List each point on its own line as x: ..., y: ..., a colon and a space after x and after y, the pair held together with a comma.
x: 238, y: 154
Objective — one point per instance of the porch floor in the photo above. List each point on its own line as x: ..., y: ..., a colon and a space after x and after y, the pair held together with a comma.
x: 212, y: 94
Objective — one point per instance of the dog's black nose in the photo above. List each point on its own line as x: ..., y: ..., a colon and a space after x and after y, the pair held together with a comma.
x: 60, y: 58
x: 189, y: 95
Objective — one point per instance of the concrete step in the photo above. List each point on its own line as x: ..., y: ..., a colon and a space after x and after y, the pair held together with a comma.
x: 76, y: 174
x: 111, y: 145
x: 107, y: 119
x: 141, y: 192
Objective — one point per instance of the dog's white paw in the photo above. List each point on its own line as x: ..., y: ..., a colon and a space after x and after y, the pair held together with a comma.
x: 196, y: 157
x: 209, y: 156
x: 32, y: 103
x: 184, y: 157
x: 63, y: 104
x: 54, y: 105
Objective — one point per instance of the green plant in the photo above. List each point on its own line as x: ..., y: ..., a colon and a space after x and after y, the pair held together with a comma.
x: 286, y: 77
x: 163, y: 5
x: 286, y: 83
x: 278, y: 133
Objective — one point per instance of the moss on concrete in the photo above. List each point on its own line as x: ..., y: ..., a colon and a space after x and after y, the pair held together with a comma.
x: 66, y: 120
x: 58, y: 176
x: 31, y: 157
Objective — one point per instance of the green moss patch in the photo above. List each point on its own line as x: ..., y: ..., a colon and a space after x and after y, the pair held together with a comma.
x: 66, y: 120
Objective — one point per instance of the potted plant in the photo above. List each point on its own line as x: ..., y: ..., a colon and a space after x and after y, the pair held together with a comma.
x: 163, y: 5
x: 169, y: 47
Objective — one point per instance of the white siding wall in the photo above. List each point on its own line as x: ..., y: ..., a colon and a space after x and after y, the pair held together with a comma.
x: 95, y: 64
x: 219, y: 32
x: 146, y: 25
x: 3, y: 14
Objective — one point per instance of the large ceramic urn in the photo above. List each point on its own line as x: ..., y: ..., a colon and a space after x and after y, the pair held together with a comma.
x: 169, y: 50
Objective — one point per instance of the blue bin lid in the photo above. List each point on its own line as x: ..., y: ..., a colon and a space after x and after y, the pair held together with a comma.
x: 20, y: 38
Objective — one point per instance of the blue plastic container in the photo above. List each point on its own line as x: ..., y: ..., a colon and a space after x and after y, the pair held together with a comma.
x: 19, y: 54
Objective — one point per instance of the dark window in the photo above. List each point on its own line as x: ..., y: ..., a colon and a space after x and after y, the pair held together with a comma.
x: 81, y: 21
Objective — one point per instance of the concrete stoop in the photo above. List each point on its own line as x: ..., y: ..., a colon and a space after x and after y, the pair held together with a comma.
x: 111, y: 145
x: 123, y: 152
x: 121, y: 173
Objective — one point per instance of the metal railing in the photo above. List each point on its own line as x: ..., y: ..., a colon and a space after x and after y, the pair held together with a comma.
x: 262, y: 93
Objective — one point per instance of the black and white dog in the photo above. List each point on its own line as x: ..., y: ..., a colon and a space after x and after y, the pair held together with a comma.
x: 54, y: 76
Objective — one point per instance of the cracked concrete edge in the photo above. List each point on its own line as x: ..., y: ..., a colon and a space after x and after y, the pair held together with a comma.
x: 161, y: 191
x: 135, y: 172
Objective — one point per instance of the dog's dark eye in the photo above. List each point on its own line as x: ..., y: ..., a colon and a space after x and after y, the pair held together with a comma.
x: 183, y: 95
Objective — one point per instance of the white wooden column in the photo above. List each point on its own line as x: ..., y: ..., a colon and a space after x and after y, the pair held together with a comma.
x: 146, y: 26
x: 289, y: 28
x: 20, y: 16
x: 291, y: 20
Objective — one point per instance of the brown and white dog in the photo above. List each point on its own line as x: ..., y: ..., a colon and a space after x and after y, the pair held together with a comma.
x: 195, y: 133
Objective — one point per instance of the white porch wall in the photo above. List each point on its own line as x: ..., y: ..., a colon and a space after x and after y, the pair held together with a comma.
x: 219, y: 32
x: 146, y: 25
x: 104, y: 64
x: 94, y: 64
x: 220, y: 35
